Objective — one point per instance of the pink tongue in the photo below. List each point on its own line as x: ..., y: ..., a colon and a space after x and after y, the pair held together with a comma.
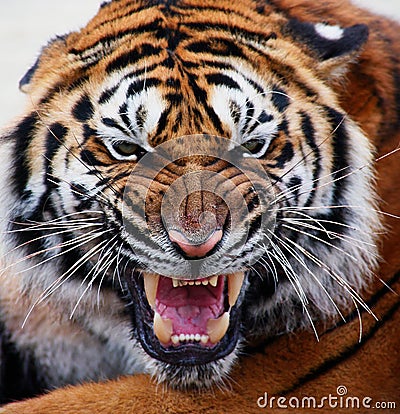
x: 189, y: 307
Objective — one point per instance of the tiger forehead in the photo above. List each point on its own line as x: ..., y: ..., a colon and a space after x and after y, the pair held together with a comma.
x: 172, y: 23
x: 166, y: 69
x: 159, y: 105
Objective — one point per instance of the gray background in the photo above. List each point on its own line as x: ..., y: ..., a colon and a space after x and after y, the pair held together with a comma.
x: 26, y: 25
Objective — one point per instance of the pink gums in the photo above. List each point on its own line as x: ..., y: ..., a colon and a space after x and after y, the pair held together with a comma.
x: 189, y: 307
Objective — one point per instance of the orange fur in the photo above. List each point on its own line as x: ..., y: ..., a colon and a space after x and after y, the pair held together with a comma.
x: 296, y: 364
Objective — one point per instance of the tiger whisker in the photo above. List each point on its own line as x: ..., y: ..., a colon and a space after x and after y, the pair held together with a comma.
x: 321, y: 240
x: 56, y: 284
x: 95, y: 270
x: 294, y: 281
x: 57, y: 233
x: 60, y: 221
x: 100, y: 198
x: 307, y: 218
x: 341, y: 281
x: 76, y: 266
x: 334, y: 235
x: 116, y: 270
x: 298, y: 258
x: 77, y: 241
x: 347, y: 206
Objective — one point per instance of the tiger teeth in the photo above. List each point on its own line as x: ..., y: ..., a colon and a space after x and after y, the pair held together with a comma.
x: 216, y: 328
x: 235, y: 282
x: 176, y: 339
x: 150, y: 287
x: 213, y: 281
x: 162, y: 328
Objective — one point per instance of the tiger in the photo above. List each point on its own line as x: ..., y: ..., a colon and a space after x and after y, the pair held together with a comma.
x: 191, y: 183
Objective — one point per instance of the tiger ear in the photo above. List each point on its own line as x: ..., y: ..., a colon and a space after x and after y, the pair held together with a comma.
x: 334, y: 46
x: 25, y: 81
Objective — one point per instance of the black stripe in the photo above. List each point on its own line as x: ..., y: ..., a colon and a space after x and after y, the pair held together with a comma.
x: 285, y: 156
x: 132, y: 56
x: 340, y: 168
x: 341, y: 356
x: 208, y: 63
x: 235, y: 111
x: 107, y: 94
x: 90, y: 159
x: 54, y: 139
x: 19, y: 378
x: 55, y: 90
x: 221, y: 79
x: 162, y: 121
x: 279, y: 98
x: 108, y: 40
x: 141, y: 85
x: 112, y: 123
x: 248, y: 32
x: 88, y: 132
x: 218, y: 47
x: 23, y: 136
x: 175, y: 99
x: 202, y: 96
x: 309, y: 133
x: 294, y: 188
x: 123, y: 113
x: 83, y: 109
x: 249, y: 115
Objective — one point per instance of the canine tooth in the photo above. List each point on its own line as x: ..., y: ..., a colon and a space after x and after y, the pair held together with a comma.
x: 150, y: 287
x: 175, y: 339
x: 162, y: 328
x: 175, y: 283
x: 216, y: 328
x: 213, y: 281
x: 235, y: 282
x: 204, y: 339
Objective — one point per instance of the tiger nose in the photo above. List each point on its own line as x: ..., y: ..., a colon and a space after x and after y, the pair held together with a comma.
x: 196, y: 249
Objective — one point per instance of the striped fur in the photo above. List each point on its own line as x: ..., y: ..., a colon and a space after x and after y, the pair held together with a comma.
x: 142, y: 74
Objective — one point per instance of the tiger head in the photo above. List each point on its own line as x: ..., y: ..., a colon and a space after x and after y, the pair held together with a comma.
x: 192, y: 161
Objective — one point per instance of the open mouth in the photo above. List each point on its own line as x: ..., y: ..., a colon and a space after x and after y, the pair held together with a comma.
x: 187, y: 321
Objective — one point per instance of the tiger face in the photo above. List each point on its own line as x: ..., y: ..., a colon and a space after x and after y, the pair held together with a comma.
x: 188, y: 169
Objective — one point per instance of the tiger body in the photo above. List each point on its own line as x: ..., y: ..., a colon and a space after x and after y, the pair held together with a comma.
x: 271, y: 77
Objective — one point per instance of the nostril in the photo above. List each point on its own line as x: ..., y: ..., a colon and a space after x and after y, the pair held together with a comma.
x: 193, y: 249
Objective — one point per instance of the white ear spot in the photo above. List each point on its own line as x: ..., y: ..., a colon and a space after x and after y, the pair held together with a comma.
x: 328, y: 31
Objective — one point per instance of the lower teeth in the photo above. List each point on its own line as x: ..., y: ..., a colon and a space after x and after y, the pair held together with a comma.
x: 176, y: 339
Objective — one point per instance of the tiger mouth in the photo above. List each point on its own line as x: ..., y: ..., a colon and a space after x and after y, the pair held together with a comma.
x: 187, y: 322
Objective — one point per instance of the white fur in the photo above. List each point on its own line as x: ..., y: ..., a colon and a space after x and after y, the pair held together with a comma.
x: 329, y: 32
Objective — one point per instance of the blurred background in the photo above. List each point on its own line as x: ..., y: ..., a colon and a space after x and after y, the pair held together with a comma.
x: 26, y: 25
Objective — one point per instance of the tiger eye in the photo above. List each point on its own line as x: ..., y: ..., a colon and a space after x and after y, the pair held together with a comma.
x: 254, y: 146
x: 126, y: 148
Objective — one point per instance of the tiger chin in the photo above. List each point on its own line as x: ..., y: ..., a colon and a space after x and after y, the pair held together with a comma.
x: 184, y: 180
